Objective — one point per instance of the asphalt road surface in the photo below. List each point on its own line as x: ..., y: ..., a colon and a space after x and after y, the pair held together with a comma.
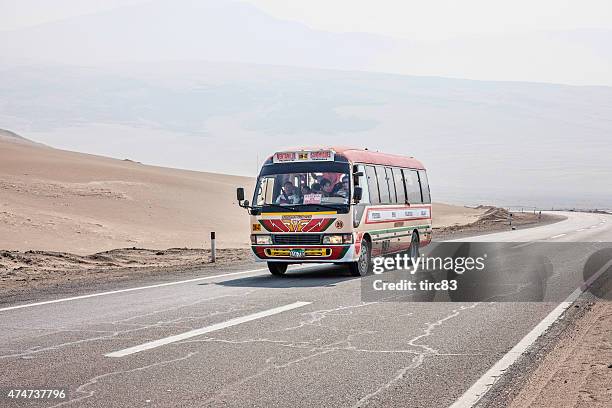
x: 250, y: 339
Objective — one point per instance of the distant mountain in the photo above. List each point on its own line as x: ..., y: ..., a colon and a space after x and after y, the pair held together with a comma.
x: 483, y: 142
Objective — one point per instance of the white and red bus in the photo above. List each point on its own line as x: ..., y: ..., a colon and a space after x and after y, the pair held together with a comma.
x: 339, y: 205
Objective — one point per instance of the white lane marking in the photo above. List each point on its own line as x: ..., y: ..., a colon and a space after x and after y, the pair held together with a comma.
x: 594, y: 226
x: 558, y: 236
x: 524, y: 244
x: 471, y: 397
x: 581, y: 229
x: 112, y: 292
x: 197, y: 332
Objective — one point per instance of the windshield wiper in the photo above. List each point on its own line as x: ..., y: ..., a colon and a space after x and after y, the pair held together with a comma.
x: 282, y: 207
x: 326, y: 206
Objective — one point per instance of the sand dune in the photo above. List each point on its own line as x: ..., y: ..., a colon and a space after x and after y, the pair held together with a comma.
x: 56, y: 200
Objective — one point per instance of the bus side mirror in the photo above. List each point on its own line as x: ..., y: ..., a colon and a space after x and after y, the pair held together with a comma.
x: 240, y: 194
x: 357, y: 193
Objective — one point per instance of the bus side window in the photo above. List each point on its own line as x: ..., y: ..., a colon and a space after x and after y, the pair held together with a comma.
x: 391, y: 184
x: 362, y: 181
x: 413, y: 189
x: 372, y: 185
x: 424, y: 186
x: 383, y: 186
x: 399, y: 186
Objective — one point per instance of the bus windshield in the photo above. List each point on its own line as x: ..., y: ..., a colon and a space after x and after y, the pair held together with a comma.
x: 303, y: 188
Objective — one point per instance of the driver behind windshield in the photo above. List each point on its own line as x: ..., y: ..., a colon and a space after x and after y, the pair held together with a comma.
x: 342, y: 189
x: 288, y: 194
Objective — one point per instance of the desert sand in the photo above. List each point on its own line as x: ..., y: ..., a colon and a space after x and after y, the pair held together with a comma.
x: 56, y: 200
x: 577, y: 371
x: 447, y: 215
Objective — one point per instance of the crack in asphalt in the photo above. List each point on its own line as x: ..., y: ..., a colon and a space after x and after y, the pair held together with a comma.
x: 317, y: 350
x: 94, y: 380
x: 418, y: 359
x: 313, y: 348
x: 318, y: 315
x: 139, y: 327
x: 420, y: 351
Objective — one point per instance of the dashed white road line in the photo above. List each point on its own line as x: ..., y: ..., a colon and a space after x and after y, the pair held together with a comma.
x: 159, y: 285
x: 471, y: 397
x: 524, y: 244
x: 558, y: 236
x: 112, y: 292
x: 581, y: 229
x: 197, y: 332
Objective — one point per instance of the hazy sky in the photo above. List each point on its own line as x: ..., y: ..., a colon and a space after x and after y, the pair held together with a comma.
x: 443, y: 19
x: 554, y: 41
x: 16, y: 14
x: 434, y: 19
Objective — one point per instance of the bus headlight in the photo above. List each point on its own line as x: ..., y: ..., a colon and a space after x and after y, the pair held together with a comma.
x: 338, y: 239
x: 261, y: 239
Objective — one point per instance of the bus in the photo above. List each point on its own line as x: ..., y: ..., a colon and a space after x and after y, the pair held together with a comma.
x: 337, y: 205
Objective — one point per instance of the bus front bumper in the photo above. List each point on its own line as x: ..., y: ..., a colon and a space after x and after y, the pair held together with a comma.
x: 303, y: 254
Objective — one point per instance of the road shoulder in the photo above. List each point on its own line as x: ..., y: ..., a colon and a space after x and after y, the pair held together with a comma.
x: 56, y: 275
x: 570, y: 365
x: 491, y: 224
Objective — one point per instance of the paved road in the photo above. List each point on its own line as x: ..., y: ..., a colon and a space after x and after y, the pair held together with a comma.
x: 254, y: 340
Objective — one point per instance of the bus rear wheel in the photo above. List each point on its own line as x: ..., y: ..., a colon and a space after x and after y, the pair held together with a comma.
x: 277, y: 268
x: 363, y: 264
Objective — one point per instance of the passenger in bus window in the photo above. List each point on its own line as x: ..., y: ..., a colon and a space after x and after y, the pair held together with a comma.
x: 305, y: 190
x: 315, y: 188
x: 326, y: 187
x: 287, y: 195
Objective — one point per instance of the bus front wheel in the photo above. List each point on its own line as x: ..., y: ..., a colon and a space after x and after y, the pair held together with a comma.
x: 277, y: 268
x: 363, y: 264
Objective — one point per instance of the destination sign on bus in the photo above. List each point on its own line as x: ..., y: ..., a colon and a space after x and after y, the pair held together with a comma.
x: 316, y: 155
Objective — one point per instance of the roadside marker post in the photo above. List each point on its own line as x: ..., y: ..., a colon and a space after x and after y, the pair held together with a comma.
x: 213, y: 247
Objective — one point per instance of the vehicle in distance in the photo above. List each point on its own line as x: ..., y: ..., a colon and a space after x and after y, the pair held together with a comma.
x: 339, y: 205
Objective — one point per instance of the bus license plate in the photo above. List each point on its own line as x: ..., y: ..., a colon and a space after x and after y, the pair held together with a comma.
x: 297, y: 253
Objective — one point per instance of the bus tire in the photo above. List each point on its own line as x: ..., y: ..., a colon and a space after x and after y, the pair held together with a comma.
x: 277, y: 268
x: 364, y: 263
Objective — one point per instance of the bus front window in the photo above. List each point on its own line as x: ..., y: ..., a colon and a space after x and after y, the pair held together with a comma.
x: 289, y: 189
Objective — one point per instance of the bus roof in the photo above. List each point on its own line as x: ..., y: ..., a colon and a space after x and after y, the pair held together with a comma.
x: 357, y: 155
